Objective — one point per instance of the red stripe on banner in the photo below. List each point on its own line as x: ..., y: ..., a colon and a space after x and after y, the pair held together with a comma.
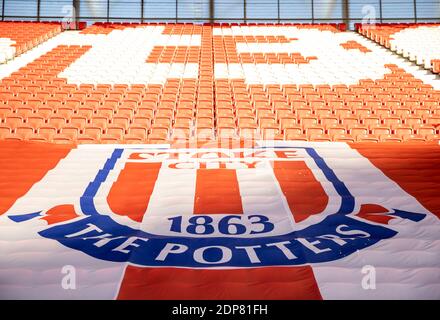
x: 303, y: 192
x: 217, y: 191
x: 273, y: 283
x: 414, y: 167
x: 22, y: 164
x: 130, y: 194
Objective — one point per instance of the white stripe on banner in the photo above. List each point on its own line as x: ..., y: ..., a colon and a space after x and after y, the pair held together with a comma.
x: 261, y: 194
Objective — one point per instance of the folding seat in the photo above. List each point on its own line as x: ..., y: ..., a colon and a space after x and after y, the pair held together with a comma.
x: 14, y: 121
x: 120, y: 121
x: 263, y: 111
x: 5, y: 111
x: 419, y: 95
x: 184, y: 112
x: 110, y: 104
x: 23, y: 111
x: 35, y: 121
x: 355, y: 103
x: 138, y: 131
x: 124, y: 112
x: 336, y: 130
x: 358, y: 130
x: 93, y: 131
x: 401, y: 112
x: 296, y: 103
x: 293, y: 131
x: 421, y: 112
x: 141, y: 121
x: 205, y: 112
x: 244, y: 113
x: 4, y: 130
x: 45, y: 111
x: 283, y: 113
x: 57, y: 122
x: 70, y: 131
x: 348, y: 122
x: 225, y: 113
x: 371, y: 121
x: 382, y: 112
x: 317, y: 103
x: 413, y: 121
x: 99, y: 121
x: 401, y: 130
x: 314, y: 130
x: 12, y: 137
x: 53, y: 103
x: 15, y: 103
x: 129, y: 103
x: 158, y: 134
x: 392, y: 103
x: 343, y: 113
x: 47, y: 132
x: 434, y: 138
x: 65, y: 113
x: 144, y: 112
x: 380, y: 130
x: 361, y: 113
x: 323, y: 112
x: 329, y: 121
x: 226, y: 121
x: 162, y: 122
x: 24, y: 131
x: 186, y: 121
x: 73, y: 104
x: 308, y: 121
x: 391, y: 121
x: 303, y: 112
x: 84, y: 112
x: 425, y: 130
x: 288, y: 123
x: 115, y: 131
x: 264, y: 121
x: 36, y: 102
x: 335, y: 104
x: 104, y: 111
